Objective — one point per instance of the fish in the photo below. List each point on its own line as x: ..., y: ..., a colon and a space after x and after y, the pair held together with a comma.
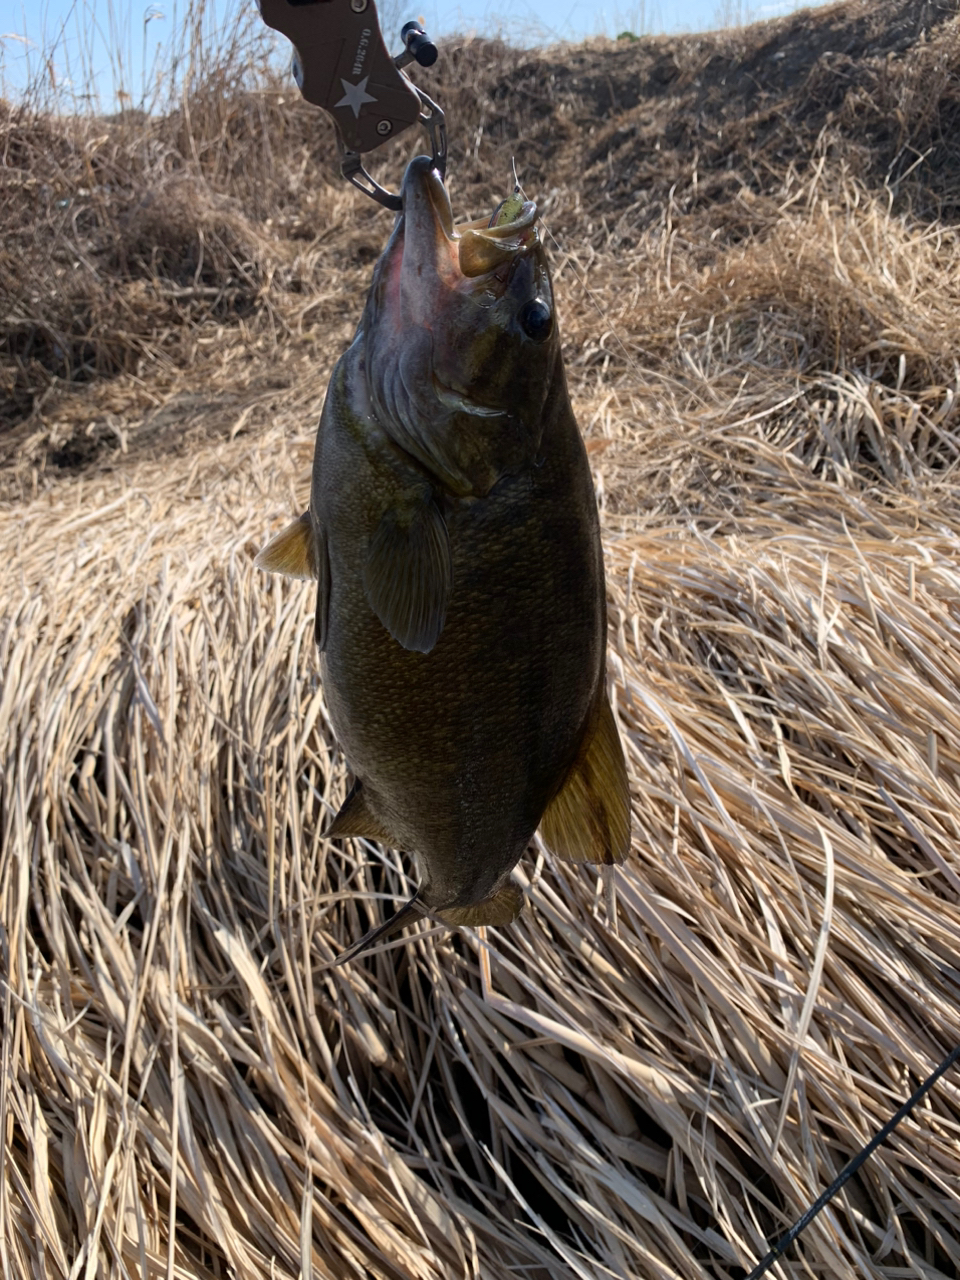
x: 454, y: 536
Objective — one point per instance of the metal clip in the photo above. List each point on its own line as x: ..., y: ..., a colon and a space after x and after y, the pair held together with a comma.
x: 341, y: 64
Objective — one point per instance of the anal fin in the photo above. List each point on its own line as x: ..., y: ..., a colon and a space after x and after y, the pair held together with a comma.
x: 356, y: 818
x: 500, y: 908
x: 588, y: 820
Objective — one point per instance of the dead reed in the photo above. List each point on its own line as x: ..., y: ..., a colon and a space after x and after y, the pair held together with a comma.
x: 653, y: 1073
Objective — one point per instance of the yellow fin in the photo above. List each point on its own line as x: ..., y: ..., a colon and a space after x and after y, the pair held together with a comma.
x: 291, y: 552
x: 588, y: 820
x: 300, y: 551
x: 356, y: 818
x: 502, y: 907
x: 409, y: 572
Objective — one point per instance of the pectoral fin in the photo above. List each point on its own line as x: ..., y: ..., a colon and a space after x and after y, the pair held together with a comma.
x: 588, y: 820
x: 503, y: 907
x: 409, y: 912
x: 356, y: 818
x: 300, y: 551
x: 292, y: 551
x: 409, y: 573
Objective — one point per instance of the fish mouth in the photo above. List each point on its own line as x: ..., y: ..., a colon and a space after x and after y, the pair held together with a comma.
x: 426, y: 204
x: 453, y: 375
x: 467, y: 250
x: 484, y: 248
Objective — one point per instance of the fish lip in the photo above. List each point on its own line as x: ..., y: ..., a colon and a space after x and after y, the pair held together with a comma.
x: 440, y: 200
x: 529, y: 216
x: 428, y: 220
x: 426, y: 204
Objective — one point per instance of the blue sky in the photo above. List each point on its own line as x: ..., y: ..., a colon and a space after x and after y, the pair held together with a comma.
x: 120, y: 41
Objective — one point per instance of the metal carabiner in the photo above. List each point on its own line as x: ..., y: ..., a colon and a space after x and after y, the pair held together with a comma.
x: 342, y: 64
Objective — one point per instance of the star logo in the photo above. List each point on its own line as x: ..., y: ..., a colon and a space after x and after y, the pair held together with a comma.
x: 355, y: 95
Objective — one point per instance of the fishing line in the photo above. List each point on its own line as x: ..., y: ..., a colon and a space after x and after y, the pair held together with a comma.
x: 631, y: 363
x: 849, y: 1169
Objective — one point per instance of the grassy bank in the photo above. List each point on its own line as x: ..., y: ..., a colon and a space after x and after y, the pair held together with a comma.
x: 649, y: 1075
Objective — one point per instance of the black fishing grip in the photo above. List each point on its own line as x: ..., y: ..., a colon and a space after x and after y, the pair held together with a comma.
x: 342, y: 64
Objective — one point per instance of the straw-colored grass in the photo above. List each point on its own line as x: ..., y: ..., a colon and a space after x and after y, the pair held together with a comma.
x: 656, y: 1069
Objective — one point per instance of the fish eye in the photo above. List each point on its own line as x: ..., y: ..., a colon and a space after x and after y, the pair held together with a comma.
x: 536, y: 319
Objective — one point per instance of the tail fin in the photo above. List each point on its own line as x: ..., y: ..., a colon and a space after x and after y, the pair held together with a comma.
x: 409, y: 912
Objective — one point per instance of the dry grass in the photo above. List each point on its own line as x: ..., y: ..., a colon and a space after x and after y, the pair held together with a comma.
x: 653, y: 1073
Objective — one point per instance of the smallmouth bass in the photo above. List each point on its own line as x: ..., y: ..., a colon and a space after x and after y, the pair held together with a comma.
x: 454, y: 536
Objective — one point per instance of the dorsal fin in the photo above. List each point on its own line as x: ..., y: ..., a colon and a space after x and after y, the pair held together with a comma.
x: 588, y: 820
x: 409, y: 912
x: 356, y: 818
x: 292, y: 551
x: 500, y: 908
